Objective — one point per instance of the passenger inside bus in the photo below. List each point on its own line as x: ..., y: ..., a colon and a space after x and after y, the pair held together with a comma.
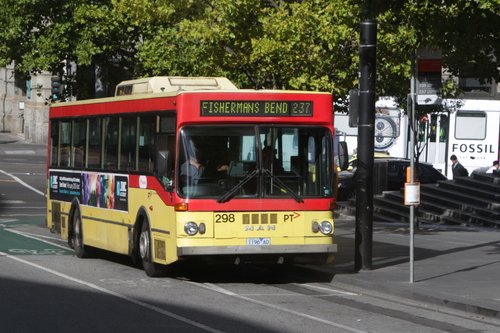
x: 269, y: 160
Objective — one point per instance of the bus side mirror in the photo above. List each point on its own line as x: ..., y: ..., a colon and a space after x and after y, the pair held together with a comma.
x: 343, y: 156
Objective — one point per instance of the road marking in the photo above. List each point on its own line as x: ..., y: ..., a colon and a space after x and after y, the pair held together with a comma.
x: 22, y: 183
x: 19, y: 152
x: 38, y: 252
x: 335, y: 291
x: 29, y: 173
x: 22, y: 215
x: 220, y: 290
x: 8, y: 220
x: 20, y: 233
x: 13, y: 161
x: 32, y: 207
x: 133, y: 283
x: 115, y: 294
x: 12, y: 202
x: 24, y: 233
x: 291, y: 295
x: 330, y: 292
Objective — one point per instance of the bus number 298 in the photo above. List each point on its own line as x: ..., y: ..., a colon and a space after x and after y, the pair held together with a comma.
x: 224, y: 218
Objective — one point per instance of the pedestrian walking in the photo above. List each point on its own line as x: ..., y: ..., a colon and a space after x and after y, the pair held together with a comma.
x: 457, y: 168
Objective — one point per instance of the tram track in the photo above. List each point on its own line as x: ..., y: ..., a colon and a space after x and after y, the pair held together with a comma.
x: 430, y: 316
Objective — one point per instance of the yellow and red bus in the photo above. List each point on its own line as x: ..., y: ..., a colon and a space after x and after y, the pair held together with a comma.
x: 174, y: 168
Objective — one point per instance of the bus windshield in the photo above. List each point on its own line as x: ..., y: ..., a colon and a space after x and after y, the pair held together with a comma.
x: 254, y: 161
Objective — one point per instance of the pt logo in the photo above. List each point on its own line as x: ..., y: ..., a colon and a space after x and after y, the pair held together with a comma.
x: 291, y: 217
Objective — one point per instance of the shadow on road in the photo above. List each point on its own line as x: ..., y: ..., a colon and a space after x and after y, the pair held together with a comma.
x: 50, y: 307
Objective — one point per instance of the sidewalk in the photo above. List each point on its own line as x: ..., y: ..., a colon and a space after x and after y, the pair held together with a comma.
x: 453, y: 267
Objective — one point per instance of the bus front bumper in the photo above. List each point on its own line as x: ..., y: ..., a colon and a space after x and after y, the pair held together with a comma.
x: 250, y: 250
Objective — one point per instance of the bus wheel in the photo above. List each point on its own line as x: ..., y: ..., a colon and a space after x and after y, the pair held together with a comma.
x: 152, y: 269
x: 77, y: 235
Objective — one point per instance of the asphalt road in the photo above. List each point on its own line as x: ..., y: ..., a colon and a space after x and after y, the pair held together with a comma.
x: 45, y: 288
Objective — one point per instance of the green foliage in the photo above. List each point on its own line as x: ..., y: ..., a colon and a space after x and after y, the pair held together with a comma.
x: 276, y: 44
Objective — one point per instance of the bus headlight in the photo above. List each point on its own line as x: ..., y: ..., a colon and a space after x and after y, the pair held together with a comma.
x: 325, y: 227
x: 191, y: 228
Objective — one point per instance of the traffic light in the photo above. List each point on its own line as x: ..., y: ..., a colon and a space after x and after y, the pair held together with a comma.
x: 56, y: 88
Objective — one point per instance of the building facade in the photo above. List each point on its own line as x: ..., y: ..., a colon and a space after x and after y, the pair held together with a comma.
x: 24, y: 105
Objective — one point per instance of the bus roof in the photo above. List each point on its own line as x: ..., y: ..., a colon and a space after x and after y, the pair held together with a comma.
x: 163, y: 84
x: 170, y: 86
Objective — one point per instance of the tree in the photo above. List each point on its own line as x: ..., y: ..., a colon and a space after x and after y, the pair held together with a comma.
x: 47, y: 35
x: 285, y: 44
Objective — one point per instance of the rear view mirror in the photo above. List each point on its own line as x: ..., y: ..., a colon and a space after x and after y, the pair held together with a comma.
x: 343, y: 156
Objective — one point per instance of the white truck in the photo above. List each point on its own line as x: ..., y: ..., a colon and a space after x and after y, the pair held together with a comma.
x: 470, y: 130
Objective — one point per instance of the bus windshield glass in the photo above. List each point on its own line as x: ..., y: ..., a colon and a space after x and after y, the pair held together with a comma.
x: 254, y: 161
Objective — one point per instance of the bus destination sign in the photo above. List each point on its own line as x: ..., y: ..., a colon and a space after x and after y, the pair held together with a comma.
x: 256, y: 108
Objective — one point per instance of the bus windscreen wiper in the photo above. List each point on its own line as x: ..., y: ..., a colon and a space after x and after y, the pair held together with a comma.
x: 283, y: 185
x: 229, y: 194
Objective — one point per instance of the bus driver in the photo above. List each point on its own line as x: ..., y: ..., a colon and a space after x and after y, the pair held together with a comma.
x: 191, y: 169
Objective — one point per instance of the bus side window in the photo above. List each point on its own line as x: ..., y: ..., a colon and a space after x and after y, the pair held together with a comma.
x: 128, y: 143
x: 94, y: 144
x: 110, y: 143
x: 54, y: 142
x: 147, y: 152
x: 78, y: 143
x: 65, y: 144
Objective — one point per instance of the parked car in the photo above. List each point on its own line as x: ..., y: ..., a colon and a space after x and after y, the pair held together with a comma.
x: 394, y: 179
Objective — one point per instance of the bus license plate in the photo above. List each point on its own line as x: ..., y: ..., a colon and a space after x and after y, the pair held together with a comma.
x: 258, y: 241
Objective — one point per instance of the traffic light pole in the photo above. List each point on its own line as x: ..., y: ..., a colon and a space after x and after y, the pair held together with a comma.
x: 364, y: 171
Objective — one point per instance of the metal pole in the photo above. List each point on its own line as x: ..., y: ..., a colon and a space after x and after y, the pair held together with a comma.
x: 4, y: 103
x: 412, y: 163
x: 364, y: 171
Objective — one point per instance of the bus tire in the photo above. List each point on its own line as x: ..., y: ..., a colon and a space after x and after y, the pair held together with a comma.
x: 81, y: 250
x: 151, y: 268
